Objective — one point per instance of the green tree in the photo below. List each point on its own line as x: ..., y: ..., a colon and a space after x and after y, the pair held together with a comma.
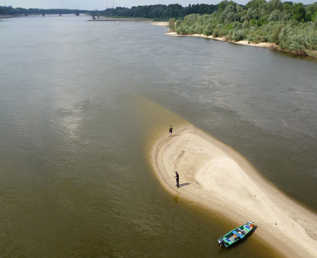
x: 262, y: 21
x: 311, y: 8
x: 275, y: 15
x: 298, y: 11
x: 276, y: 33
x: 222, y: 5
x: 171, y: 24
x: 273, y: 5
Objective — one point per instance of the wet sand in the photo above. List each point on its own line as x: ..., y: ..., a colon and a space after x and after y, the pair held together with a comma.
x: 217, y: 177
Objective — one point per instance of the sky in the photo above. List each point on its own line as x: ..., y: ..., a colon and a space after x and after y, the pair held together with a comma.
x: 102, y: 4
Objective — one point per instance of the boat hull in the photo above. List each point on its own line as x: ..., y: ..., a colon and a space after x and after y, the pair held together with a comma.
x: 237, y: 234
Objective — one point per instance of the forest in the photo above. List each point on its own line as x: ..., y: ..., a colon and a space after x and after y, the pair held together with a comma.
x: 160, y: 12
x: 290, y: 26
x: 9, y: 10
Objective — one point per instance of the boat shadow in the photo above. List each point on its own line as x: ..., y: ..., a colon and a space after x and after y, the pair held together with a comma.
x: 185, y: 184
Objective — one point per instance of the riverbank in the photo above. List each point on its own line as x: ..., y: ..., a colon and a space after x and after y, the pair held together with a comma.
x: 7, y: 16
x: 242, y: 42
x: 156, y: 23
x: 160, y: 23
x: 311, y: 53
x: 135, y: 19
x: 118, y: 19
x: 217, y: 177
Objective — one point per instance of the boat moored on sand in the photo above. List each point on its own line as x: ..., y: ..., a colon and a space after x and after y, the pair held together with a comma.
x: 236, y: 234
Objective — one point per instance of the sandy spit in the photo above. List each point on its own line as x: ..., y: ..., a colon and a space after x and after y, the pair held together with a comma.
x: 6, y: 16
x: 217, y: 177
x: 160, y: 23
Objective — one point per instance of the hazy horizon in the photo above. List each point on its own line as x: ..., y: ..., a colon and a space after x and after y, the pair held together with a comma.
x: 104, y: 4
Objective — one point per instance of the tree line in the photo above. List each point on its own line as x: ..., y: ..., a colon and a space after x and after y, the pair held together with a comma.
x: 9, y: 10
x: 291, y: 26
x: 159, y: 11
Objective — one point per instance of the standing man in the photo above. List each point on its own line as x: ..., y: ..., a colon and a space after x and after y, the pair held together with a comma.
x: 170, y: 130
x: 177, y: 179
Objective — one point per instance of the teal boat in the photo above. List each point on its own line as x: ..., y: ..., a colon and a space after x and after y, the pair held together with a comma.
x: 237, y: 234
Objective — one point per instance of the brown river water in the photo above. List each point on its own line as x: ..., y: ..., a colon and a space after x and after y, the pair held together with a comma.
x: 82, y: 104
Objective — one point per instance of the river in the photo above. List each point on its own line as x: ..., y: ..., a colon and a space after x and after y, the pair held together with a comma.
x: 83, y: 102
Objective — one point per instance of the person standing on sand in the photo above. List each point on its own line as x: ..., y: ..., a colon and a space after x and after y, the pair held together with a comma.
x: 177, y: 179
x: 170, y: 130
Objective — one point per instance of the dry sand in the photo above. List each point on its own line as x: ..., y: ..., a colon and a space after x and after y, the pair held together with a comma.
x: 160, y: 23
x: 6, y: 16
x: 214, y: 175
x: 242, y: 42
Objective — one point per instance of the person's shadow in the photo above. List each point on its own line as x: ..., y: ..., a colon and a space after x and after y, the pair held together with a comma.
x: 185, y: 184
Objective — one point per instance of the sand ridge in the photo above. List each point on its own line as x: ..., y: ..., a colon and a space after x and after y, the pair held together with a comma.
x: 214, y: 175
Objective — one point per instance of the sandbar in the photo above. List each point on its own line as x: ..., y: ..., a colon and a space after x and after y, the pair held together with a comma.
x: 6, y: 16
x: 214, y: 175
x: 160, y: 23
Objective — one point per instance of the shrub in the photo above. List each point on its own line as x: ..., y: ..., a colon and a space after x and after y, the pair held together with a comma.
x: 222, y: 33
x: 184, y: 30
x: 260, y: 38
x: 275, y: 15
x: 283, y: 38
x: 199, y: 29
x: 245, y: 25
x: 229, y: 26
x: 191, y: 30
x: 261, y: 21
x: 237, y: 25
x: 208, y: 30
x: 215, y: 33
x: 171, y: 24
x: 252, y: 22
x: 276, y: 33
x: 237, y: 35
